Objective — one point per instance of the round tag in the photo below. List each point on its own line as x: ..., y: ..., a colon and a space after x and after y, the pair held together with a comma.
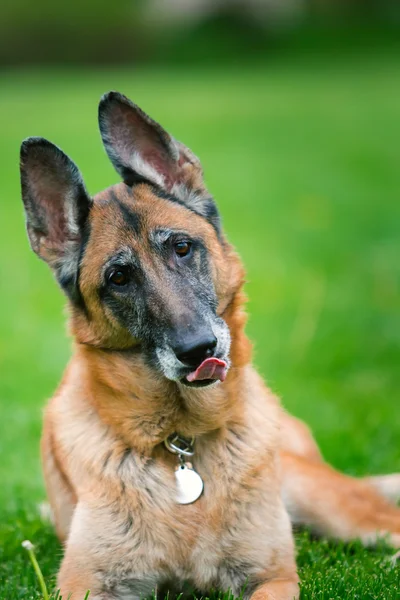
x: 189, y: 484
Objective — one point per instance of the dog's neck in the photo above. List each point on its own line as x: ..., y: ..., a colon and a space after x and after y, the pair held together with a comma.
x: 145, y: 408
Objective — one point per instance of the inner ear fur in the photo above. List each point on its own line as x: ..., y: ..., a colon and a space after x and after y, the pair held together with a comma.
x: 138, y: 147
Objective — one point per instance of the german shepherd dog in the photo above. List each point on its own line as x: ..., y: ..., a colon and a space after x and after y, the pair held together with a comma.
x: 167, y: 461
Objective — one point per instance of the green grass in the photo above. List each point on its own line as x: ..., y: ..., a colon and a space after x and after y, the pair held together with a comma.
x: 304, y: 161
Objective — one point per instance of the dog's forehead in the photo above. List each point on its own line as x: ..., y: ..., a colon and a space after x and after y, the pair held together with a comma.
x: 126, y: 216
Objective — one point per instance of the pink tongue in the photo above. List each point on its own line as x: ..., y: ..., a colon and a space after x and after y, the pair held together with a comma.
x: 211, y: 368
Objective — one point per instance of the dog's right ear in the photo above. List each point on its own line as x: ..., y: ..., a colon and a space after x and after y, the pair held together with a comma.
x: 138, y: 147
x: 56, y: 206
x: 143, y: 152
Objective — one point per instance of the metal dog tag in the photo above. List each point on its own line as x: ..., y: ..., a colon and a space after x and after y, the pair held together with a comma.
x: 188, y: 482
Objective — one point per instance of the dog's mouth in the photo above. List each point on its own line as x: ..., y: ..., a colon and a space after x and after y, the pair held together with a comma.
x: 209, y: 371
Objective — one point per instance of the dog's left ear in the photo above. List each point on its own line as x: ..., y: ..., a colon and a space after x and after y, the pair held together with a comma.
x: 142, y: 151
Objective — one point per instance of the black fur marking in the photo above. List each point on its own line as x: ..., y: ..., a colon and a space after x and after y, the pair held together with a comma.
x: 127, y: 525
x: 82, y: 249
x: 130, y: 177
x: 125, y: 456
x: 83, y: 207
x: 130, y: 306
x: 107, y: 459
x: 160, y: 193
x: 149, y: 492
x: 70, y: 284
x: 131, y: 218
x: 212, y: 215
x: 211, y: 212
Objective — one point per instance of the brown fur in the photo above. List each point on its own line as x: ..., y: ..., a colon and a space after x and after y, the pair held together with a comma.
x: 106, y: 465
x: 109, y: 477
x: 105, y: 462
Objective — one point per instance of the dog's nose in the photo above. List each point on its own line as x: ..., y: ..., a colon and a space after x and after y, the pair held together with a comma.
x: 193, y: 352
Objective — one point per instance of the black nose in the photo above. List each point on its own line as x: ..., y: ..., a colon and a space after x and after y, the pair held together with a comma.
x: 193, y: 352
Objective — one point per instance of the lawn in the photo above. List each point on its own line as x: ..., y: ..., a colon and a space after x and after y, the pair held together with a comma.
x: 304, y: 161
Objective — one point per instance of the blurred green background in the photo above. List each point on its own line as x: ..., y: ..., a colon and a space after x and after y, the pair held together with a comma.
x: 294, y: 109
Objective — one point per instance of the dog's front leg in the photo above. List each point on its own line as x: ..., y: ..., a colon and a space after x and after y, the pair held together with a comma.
x: 82, y: 568
x: 279, y: 588
x: 76, y: 579
x: 99, y: 559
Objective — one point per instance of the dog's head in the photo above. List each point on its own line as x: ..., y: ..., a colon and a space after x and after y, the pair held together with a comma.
x: 144, y: 263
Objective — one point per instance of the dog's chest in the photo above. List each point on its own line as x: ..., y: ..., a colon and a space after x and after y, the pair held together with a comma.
x: 158, y: 537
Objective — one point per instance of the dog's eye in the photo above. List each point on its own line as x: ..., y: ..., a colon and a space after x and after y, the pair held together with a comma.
x: 119, y: 276
x: 182, y: 248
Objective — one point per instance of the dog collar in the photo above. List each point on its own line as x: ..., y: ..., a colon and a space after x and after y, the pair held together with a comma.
x: 189, y: 484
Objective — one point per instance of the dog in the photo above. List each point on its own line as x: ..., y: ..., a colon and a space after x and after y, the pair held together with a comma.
x: 169, y: 465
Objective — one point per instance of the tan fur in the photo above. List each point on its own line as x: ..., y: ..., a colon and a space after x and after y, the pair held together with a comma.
x: 110, y: 479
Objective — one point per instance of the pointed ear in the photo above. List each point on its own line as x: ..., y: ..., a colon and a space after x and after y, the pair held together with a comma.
x: 142, y: 151
x: 56, y: 207
x: 138, y: 147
